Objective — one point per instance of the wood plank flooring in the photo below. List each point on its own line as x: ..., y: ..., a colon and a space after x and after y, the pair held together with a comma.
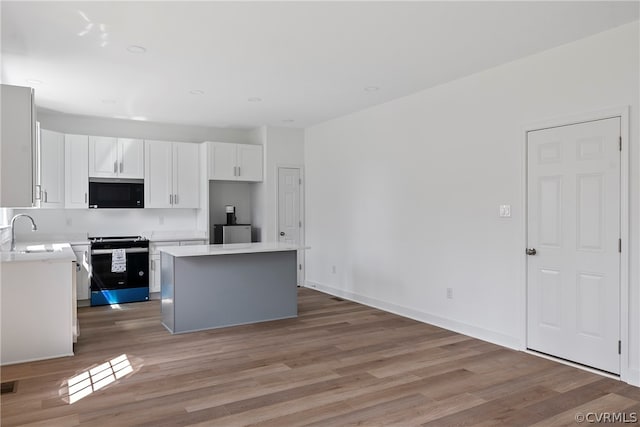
x: 339, y: 363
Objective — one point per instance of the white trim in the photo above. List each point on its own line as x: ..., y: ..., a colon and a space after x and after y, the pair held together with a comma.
x: 301, y: 254
x: 424, y: 317
x: 626, y: 373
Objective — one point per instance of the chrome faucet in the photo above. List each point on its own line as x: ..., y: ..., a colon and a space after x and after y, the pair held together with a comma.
x: 13, y: 229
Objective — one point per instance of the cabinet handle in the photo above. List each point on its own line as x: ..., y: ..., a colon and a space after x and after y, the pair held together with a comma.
x: 115, y: 167
x: 46, y: 197
x: 234, y: 171
x: 85, y: 197
x: 239, y: 171
x: 38, y: 192
x: 175, y: 198
x: 170, y: 199
x: 120, y: 167
x: 153, y: 265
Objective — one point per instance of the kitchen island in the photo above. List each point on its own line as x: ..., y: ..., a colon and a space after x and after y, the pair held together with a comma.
x: 213, y: 286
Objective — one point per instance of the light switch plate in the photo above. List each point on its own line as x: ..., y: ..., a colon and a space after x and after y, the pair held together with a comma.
x: 504, y: 211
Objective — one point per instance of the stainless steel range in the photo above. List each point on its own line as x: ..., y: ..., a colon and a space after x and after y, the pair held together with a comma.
x: 119, y: 269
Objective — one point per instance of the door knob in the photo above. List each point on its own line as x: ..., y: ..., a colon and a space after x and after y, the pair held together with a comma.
x: 282, y: 233
x: 531, y: 251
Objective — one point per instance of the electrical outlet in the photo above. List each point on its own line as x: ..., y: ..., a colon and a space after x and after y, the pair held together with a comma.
x: 333, y: 269
x: 504, y: 211
x: 449, y: 293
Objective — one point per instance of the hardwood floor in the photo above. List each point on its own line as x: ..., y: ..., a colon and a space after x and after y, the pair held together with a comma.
x: 339, y: 363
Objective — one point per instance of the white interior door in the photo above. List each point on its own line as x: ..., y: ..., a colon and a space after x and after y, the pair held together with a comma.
x: 573, y: 278
x: 289, y: 220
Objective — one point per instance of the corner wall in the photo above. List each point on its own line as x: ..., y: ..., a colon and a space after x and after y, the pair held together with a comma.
x: 402, y: 199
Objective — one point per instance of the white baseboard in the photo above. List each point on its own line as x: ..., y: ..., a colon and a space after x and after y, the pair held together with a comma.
x: 633, y: 377
x: 452, y: 325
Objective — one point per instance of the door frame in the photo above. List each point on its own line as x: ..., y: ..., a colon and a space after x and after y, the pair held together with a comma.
x: 623, y: 113
x: 302, y: 278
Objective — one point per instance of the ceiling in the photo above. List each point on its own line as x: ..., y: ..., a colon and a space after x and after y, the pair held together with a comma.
x: 248, y: 64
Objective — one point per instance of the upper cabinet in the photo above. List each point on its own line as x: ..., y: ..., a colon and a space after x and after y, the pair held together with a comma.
x: 234, y: 162
x: 172, y: 175
x: 116, y: 157
x: 18, y: 147
x: 51, y: 169
x: 76, y: 156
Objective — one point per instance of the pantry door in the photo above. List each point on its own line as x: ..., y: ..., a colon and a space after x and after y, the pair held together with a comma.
x: 573, y: 232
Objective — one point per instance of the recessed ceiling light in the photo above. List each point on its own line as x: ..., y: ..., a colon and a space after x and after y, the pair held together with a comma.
x: 254, y: 99
x: 136, y: 49
x: 196, y: 92
x: 371, y: 88
x: 108, y: 101
x: 288, y: 121
x: 34, y: 81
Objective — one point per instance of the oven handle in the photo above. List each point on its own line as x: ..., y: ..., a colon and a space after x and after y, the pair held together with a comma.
x: 127, y: 251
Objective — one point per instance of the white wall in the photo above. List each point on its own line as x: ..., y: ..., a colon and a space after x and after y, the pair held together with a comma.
x: 222, y: 193
x: 282, y: 147
x: 403, y: 198
x: 100, y: 126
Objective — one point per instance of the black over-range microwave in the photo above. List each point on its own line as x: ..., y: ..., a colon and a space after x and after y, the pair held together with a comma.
x: 116, y: 193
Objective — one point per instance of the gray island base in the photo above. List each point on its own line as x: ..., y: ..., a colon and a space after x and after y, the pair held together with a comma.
x: 214, y: 286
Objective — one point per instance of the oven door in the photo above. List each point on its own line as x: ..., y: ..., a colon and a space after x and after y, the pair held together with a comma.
x: 108, y: 287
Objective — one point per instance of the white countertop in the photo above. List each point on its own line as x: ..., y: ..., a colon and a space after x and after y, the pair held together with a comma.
x: 59, y: 252
x: 159, y: 236
x: 228, y: 249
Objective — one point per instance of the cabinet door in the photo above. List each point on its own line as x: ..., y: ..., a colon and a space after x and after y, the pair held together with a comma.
x: 103, y: 157
x: 186, y: 175
x: 82, y: 271
x: 154, y: 277
x: 17, y: 150
x: 76, y: 171
x: 158, y: 174
x: 51, y: 169
x: 222, y: 161
x: 249, y: 162
x: 130, y: 158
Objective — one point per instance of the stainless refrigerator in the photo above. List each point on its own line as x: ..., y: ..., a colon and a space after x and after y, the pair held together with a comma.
x: 223, y: 234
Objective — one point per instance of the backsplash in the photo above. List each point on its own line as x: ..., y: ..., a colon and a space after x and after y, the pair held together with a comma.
x: 104, y: 222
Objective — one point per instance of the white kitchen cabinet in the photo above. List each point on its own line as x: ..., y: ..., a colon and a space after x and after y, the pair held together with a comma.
x: 154, y: 259
x: 234, y: 162
x: 83, y: 264
x: 172, y: 175
x: 51, y: 169
x: 116, y: 157
x: 76, y: 171
x: 18, y: 149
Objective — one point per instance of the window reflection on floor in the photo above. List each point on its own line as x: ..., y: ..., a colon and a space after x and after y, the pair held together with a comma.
x: 96, y: 378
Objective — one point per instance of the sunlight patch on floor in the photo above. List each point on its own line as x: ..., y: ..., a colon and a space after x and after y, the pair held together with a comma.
x: 98, y: 377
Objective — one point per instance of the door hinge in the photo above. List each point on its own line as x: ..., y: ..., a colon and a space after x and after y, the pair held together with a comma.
x: 300, y: 224
x: 619, y: 347
x: 620, y: 143
x: 620, y: 245
x: 299, y: 266
x: 300, y: 181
